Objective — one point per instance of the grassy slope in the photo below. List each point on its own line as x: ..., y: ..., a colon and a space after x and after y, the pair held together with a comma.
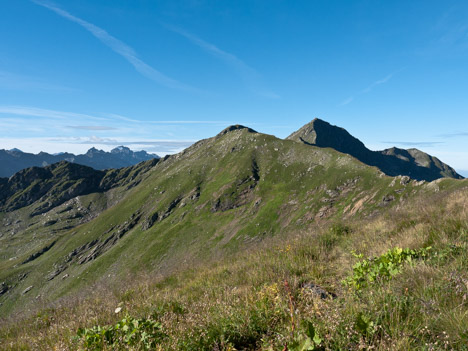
x: 298, y: 187
x: 22, y: 235
x: 291, y: 193
x: 242, y: 302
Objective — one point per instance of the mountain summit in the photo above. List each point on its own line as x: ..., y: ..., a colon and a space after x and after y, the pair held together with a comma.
x: 394, y: 161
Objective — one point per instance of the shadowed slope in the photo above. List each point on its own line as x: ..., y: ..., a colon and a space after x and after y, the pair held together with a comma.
x: 413, y: 163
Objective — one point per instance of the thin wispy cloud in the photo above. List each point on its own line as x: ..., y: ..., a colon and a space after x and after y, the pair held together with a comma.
x: 453, y: 135
x: 91, y: 127
x: 115, y: 116
x: 347, y: 101
x: 22, y: 124
x: 128, y: 119
x: 27, y: 111
x: 124, y: 50
x: 12, y: 81
x: 450, y: 33
x: 248, y: 74
x: 190, y: 122
x: 376, y: 83
x: 45, y: 113
x: 369, y: 88
x: 108, y: 141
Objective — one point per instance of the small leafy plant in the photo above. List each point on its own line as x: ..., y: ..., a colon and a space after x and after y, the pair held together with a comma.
x: 142, y: 333
x: 310, y: 341
x: 364, y: 324
x: 384, y: 267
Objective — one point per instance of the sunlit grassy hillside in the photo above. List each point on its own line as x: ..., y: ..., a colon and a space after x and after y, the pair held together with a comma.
x: 339, y: 285
x: 221, y: 195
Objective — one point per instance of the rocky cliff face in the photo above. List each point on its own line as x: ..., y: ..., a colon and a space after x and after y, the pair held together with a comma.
x: 412, y: 162
x: 53, y: 185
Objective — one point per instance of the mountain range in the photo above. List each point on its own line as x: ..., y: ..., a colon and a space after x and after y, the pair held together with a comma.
x: 14, y: 160
x: 66, y: 226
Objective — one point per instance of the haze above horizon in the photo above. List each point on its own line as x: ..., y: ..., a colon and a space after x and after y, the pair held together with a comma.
x: 160, y: 75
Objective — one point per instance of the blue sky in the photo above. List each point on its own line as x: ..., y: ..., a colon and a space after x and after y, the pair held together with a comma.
x: 158, y: 75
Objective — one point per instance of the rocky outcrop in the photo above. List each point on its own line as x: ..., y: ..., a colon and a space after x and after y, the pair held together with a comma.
x: 95, y: 248
x: 42, y: 251
x: 3, y: 288
x: 317, y: 291
x: 239, y: 193
x: 28, y: 289
x: 91, y: 252
x: 149, y: 221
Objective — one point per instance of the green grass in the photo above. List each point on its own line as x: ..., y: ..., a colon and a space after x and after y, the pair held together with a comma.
x: 255, y: 299
x: 299, y: 223
x: 191, y: 233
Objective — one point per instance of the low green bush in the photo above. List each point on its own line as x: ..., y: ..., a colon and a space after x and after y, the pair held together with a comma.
x: 384, y: 267
x: 142, y: 333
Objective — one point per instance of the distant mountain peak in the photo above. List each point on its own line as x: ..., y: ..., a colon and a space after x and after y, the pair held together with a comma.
x: 14, y: 161
x: 15, y: 150
x: 120, y: 149
x: 394, y: 161
x: 321, y: 133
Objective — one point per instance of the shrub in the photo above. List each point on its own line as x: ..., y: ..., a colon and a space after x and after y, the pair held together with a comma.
x: 143, y: 333
x: 384, y: 267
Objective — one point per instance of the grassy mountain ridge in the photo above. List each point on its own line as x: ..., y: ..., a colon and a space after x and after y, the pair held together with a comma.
x: 219, y: 196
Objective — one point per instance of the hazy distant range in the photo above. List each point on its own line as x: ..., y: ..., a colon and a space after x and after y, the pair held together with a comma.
x: 12, y: 161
